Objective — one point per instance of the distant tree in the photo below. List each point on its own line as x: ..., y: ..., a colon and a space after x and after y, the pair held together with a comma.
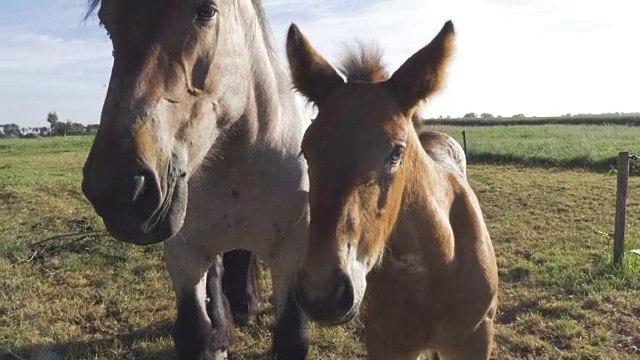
x: 518, y: 116
x: 59, y: 129
x: 52, y: 118
x: 74, y: 128
x: 11, y: 130
x: 470, y: 116
x: 486, y: 116
x: 43, y: 131
x: 91, y: 129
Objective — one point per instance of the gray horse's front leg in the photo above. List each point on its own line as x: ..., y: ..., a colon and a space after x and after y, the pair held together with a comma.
x: 291, y: 333
x: 201, y: 331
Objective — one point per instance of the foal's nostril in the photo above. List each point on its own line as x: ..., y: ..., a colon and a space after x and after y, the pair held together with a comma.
x: 343, y: 297
x: 333, y: 299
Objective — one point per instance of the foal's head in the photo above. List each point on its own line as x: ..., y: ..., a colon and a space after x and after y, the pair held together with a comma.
x: 360, y: 149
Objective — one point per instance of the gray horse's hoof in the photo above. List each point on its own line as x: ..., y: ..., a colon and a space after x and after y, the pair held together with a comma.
x: 221, y: 355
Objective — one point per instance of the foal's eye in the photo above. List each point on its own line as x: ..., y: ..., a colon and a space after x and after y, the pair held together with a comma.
x: 396, y: 154
x: 206, y: 11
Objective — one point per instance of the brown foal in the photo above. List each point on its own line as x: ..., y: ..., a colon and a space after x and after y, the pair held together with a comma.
x: 391, y: 210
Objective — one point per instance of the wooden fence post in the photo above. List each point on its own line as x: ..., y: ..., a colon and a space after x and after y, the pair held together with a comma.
x: 621, y: 207
x: 464, y: 142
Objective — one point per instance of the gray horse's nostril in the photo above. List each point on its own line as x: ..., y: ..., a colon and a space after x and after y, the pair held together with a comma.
x: 139, y: 187
x: 340, y: 291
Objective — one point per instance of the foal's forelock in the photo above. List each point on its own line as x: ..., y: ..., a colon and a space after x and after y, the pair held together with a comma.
x: 364, y: 63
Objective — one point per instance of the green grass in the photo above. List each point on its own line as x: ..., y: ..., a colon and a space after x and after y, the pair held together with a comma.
x: 45, y: 145
x: 632, y: 120
x: 570, y: 146
x: 88, y: 296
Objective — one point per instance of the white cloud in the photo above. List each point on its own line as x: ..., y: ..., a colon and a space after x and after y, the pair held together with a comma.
x: 57, y: 63
x: 538, y: 57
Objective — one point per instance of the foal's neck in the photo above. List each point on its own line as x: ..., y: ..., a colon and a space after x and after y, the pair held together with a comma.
x: 422, y: 226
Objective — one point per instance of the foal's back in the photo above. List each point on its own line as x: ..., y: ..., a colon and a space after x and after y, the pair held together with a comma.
x: 444, y: 149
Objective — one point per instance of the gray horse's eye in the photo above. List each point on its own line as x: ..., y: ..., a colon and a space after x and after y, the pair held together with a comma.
x: 206, y: 11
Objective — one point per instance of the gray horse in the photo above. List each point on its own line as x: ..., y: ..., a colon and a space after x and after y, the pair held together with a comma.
x: 198, y: 147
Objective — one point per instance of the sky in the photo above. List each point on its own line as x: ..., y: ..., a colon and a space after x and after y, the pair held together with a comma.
x: 536, y: 57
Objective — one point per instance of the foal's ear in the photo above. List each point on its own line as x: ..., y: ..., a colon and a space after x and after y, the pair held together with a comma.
x: 312, y: 75
x: 424, y: 72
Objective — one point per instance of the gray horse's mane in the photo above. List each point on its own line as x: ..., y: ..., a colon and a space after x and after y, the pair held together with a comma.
x: 363, y: 63
x: 257, y: 5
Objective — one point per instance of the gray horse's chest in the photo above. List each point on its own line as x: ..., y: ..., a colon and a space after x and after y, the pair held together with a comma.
x: 252, y: 208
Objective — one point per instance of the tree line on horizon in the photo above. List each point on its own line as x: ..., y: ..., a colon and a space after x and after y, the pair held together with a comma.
x: 55, y: 128
x: 69, y: 128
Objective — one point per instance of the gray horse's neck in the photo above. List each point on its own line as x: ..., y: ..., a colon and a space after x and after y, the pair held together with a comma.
x: 273, y: 118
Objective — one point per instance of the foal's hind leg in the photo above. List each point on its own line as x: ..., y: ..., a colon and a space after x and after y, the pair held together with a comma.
x: 201, y: 331
x: 476, y: 346
x: 241, y: 286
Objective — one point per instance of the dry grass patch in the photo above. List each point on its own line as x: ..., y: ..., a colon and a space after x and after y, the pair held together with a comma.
x: 90, y: 297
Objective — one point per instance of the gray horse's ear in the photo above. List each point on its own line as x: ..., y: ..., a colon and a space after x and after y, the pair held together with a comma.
x: 423, y: 73
x: 312, y: 75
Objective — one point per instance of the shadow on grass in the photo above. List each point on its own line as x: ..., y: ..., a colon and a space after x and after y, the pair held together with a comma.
x: 96, y: 349
x: 580, y: 162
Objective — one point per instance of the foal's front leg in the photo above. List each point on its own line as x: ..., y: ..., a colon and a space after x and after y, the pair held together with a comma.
x: 201, y: 331
x: 380, y: 347
x: 476, y: 346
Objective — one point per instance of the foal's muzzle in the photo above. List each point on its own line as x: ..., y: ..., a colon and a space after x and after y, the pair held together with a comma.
x: 330, y: 308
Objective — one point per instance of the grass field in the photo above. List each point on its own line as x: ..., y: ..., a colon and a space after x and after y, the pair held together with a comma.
x: 629, y: 119
x: 592, y: 147
x: 90, y: 297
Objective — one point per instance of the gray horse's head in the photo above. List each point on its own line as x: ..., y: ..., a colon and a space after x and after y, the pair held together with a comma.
x: 180, y: 82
